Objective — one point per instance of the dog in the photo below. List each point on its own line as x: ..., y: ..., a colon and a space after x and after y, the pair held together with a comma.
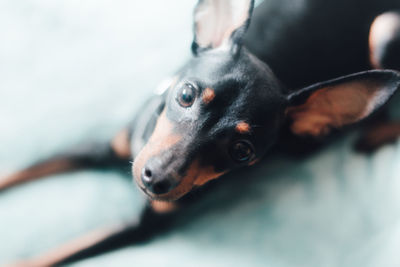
x: 246, y: 85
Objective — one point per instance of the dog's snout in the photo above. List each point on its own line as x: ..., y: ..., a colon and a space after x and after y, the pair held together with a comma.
x: 155, y: 181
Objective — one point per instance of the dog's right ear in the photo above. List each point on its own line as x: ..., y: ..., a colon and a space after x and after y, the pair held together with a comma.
x: 220, y: 24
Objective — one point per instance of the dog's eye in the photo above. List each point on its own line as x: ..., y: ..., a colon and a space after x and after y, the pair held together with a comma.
x: 186, y: 95
x: 241, y: 151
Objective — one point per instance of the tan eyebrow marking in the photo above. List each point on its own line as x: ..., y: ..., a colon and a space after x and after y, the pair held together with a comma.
x: 242, y: 127
x: 208, y: 95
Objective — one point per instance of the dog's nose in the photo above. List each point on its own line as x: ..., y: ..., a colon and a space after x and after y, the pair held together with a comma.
x: 156, y: 183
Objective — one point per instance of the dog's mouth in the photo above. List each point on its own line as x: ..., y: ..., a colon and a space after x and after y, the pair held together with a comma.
x: 145, y: 191
x: 152, y: 196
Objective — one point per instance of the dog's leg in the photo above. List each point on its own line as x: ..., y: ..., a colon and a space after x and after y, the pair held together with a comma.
x: 384, y: 46
x: 107, y: 154
x: 154, y: 220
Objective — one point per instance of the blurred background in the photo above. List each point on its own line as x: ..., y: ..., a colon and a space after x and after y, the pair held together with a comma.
x: 77, y: 70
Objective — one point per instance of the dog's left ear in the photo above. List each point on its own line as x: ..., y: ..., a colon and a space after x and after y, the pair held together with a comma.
x: 316, y: 109
x: 220, y: 24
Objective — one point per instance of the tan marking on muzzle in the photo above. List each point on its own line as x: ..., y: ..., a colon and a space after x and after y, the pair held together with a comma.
x: 195, y: 176
x: 242, y: 127
x: 206, y: 174
x: 162, y: 139
x: 208, y: 95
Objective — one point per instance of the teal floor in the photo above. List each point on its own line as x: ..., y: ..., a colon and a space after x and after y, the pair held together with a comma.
x: 72, y: 71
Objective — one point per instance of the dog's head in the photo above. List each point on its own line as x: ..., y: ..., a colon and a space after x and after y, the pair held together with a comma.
x: 224, y: 108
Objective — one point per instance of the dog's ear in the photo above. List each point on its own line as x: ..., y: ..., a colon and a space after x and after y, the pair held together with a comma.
x: 220, y: 24
x: 316, y: 109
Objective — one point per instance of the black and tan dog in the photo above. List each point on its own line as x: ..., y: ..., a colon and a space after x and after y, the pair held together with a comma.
x: 226, y: 107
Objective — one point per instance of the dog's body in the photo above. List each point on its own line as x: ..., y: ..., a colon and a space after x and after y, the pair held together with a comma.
x: 280, y: 34
x: 225, y: 108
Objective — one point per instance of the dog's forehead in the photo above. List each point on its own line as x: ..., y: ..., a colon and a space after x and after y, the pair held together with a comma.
x: 212, y: 66
x: 243, y: 90
x: 233, y: 89
x: 227, y: 74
